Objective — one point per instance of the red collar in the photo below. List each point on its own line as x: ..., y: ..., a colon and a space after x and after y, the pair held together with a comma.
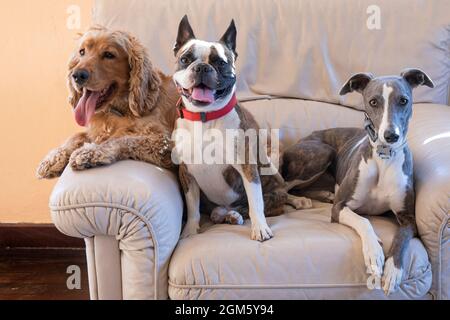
x: 205, y: 116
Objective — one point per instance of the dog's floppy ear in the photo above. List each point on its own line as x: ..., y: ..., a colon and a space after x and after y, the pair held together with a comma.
x: 144, y: 81
x: 185, y: 33
x: 416, y: 77
x: 229, y: 37
x: 357, y: 82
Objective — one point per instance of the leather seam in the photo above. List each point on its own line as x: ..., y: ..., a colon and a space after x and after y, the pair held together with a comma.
x: 57, y: 208
x: 441, y: 236
x: 291, y: 286
x: 256, y: 286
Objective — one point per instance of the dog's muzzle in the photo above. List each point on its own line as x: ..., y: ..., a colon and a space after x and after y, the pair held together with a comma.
x: 81, y: 76
x: 383, y: 151
x: 204, y: 74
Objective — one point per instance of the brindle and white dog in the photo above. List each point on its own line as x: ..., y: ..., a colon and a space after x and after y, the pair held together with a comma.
x: 206, y: 79
x: 373, y: 167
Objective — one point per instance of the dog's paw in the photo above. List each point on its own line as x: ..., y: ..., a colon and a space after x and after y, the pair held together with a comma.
x: 234, y: 217
x: 327, y: 196
x: 53, y: 164
x: 301, y: 203
x: 218, y: 215
x: 90, y: 156
x: 373, y: 256
x: 190, y: 229
x: 261, y: 232
x: 392, y: 277
x: 223, y: 215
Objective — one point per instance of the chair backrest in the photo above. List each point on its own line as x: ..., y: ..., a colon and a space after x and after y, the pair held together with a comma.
x: 302, y: 48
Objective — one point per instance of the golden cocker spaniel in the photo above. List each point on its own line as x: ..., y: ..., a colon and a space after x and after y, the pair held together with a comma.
x: 127, y: 106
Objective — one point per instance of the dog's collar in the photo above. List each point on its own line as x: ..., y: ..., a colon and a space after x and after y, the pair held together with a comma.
x: 183, y: 113
x: 370, y: 128
x: 116, y: 112
x: 386, y: 152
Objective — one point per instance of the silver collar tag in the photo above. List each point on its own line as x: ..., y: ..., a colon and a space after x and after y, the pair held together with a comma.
x: 385, y: 152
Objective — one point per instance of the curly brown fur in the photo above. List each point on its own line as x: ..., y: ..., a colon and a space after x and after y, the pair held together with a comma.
x: 135, y: 120
x: 54, y: 163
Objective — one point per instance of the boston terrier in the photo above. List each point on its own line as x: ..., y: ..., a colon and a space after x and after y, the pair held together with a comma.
x: 206, y: 79
x: 373, y: 168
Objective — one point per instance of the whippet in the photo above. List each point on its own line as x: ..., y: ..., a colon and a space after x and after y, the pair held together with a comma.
x: 205, y: 77
x: 373, y: 168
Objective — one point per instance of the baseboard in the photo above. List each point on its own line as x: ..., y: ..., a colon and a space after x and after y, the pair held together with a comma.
x: 35, y: 236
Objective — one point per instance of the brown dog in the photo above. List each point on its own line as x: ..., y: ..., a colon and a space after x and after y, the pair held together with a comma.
x: 126, y: 105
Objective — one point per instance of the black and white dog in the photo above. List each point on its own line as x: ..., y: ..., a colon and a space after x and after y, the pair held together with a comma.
x: 205, y: 76
x: 373, y: 168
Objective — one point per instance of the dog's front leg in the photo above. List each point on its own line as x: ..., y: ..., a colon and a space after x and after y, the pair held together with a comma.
x: 192, y: 194
x: 154, y: 149
x: 56, y: 160
x: 253, y: 189
x: 372, y: 250
x: 393, y: 270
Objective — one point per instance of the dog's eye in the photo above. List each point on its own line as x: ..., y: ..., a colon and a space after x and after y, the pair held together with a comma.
x: 403, y: 101
x: 82, y: 52
x: 222, y: 63
x: 373, y: 102
x: 184, y: 60
x: 108, y: 55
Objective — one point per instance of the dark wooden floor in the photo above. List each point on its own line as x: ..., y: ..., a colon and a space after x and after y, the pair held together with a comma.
x: 40, y: 274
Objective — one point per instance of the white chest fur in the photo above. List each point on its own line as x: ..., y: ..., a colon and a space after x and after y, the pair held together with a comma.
x: 194, y: 141
x: 381, y: 185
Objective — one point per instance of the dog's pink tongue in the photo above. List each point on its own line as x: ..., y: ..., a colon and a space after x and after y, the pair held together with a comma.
x: 203, y: 94
x: 85, y: 108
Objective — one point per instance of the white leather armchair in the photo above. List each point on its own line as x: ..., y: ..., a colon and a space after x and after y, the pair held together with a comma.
x: 130, y: 216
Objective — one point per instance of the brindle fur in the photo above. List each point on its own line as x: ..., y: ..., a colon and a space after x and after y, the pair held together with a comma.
x: 274, y: 193
x: 240, y: 189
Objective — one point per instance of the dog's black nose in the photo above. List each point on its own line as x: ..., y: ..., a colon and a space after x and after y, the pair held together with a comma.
x: 203, y: 68
x: 81, y: 76
x: 391, y: 136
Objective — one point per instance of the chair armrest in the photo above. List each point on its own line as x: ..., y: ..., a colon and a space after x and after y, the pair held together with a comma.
x: 429, y: 140
x: 138, y: 204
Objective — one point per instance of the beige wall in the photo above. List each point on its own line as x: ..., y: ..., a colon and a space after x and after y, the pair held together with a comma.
x: 35, y: 115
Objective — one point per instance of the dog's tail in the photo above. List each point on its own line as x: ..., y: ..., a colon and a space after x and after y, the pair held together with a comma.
x: 297, y: 183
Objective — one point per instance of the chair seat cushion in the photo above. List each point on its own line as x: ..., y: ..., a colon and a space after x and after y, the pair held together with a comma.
x: 309, y: 258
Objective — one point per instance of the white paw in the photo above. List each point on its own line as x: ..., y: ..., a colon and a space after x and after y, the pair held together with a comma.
x: 301, y: 203
x: 223, y: 215
x: 392, y: 277
x: 373, y: 256
x: 234, y: 217
x: 190, y: 229
x: 261, y: 232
